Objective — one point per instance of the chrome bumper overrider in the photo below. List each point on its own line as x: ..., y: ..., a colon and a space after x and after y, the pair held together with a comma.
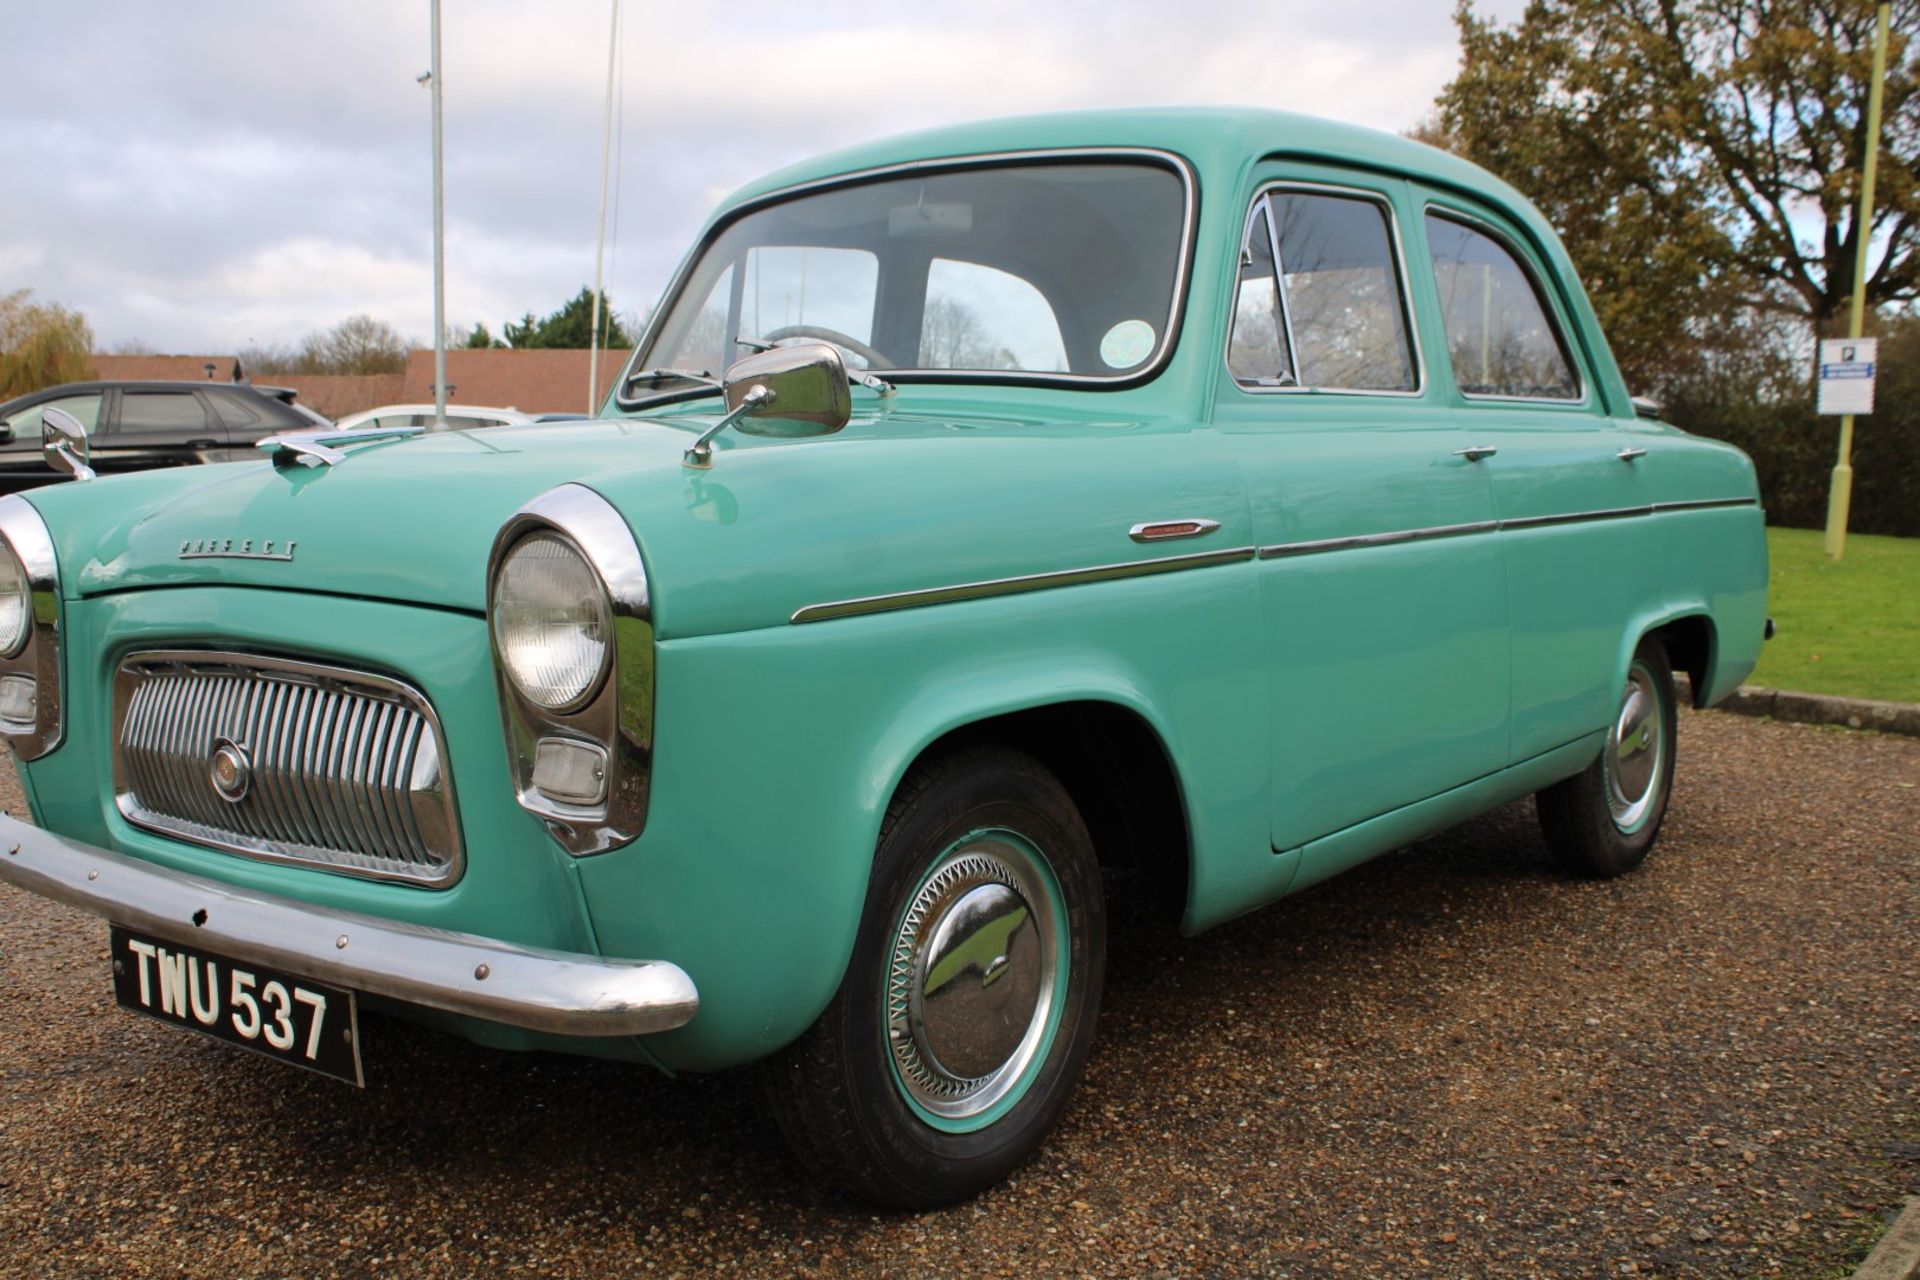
x: 553, y: 991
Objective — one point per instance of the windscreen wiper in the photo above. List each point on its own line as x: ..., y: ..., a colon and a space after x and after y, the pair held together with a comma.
x: 855, y: 377
x: 654, y: 377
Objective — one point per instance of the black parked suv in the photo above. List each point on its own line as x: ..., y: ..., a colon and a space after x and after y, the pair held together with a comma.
x: 132, y: 426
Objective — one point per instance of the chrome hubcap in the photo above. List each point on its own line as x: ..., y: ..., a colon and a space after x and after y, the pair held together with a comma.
x: 971, y: 983
x: 1636, y: 751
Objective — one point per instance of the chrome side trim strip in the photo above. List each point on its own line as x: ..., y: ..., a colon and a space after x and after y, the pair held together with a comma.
x: 1011, y: 586
x: 1202, y: 560
x: 1705, y: 504
x: 1491, y: 526
x: 1376, y: 539
x: 1575, y: 517
x: 562, y: 992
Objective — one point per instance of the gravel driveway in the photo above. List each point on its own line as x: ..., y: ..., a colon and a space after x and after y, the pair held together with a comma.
x: 1452, y: 1061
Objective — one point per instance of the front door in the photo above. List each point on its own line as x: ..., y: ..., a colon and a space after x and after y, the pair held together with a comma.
x: 22, y: 461
x: 1383, y: 584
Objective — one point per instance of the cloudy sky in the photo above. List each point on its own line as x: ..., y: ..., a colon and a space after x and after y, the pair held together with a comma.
x: 207, y: 177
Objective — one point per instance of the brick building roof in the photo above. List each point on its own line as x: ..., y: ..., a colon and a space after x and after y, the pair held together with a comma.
x: 225, y: 368
x: 536, y: 381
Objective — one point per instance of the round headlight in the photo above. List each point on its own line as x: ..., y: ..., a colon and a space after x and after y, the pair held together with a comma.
x: 16, y: 603
x: 550, y: 621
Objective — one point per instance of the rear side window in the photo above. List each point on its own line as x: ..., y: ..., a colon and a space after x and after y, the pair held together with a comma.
x: 1500, y: 334
x: 1327, y: 310
x: 232, y: 412
x: 161, y: 411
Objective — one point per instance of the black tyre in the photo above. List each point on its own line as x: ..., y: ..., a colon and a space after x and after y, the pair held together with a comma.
x: 1604, y: 820
x: 968, y: 1008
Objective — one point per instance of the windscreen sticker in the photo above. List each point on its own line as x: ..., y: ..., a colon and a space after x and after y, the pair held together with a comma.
x: 1127, y: 344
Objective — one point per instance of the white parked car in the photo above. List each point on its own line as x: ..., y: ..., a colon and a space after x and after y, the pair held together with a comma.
x: 461, y: 417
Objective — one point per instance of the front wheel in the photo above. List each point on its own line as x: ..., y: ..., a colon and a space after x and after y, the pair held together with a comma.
x: 968, y: 1008
x: 1603, y: 820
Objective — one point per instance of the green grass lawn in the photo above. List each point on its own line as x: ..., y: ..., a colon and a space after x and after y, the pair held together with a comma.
x: 1851, y: 628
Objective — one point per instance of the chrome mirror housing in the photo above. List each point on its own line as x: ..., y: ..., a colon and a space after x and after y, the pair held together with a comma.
x: 784, y: 391
x: 810, y: 396
x: 65, y: 444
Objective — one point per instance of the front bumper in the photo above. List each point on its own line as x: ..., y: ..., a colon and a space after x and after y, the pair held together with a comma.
x: 564, y: 993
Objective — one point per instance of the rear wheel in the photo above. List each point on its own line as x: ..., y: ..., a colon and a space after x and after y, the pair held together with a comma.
x: 968, y: 1008
x: 1603, y: 821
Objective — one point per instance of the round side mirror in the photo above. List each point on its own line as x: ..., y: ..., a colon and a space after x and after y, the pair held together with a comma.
x: 65, y: 443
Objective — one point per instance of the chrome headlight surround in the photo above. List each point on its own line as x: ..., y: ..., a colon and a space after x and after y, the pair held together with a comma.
x: 613, y: 727
x: 38, y: 659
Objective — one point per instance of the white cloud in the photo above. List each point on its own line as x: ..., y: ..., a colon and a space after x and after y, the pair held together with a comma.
x: 239, y: 172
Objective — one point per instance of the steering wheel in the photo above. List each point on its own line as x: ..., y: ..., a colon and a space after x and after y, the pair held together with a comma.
x: 873, y: 358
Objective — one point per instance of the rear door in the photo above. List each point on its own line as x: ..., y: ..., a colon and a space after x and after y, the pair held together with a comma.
x: 1383, y: 589
x: 158, y: 427
x: 1569, y: 482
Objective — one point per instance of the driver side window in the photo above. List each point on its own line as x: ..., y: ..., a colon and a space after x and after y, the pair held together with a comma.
x: 28, y: 424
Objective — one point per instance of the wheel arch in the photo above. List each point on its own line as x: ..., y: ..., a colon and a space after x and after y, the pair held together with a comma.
x: 1101, y: 737
x: 1691, y: 640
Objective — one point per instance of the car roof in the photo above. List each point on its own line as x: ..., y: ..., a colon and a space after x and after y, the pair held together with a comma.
x: 1217, y: 140
x: 138, y: 384
x: 147, y: 384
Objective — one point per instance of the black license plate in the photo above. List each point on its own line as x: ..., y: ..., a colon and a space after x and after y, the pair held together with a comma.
x: 290, y: 1019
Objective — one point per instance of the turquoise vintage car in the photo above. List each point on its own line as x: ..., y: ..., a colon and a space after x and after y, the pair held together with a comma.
x: 1224, y: 494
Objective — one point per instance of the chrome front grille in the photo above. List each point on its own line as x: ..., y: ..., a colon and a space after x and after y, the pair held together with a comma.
x: 286, y: 761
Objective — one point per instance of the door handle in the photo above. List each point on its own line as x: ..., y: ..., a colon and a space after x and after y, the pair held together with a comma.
x: 1629, y: 454
x: 201, y: 444
x: 1475, y: 452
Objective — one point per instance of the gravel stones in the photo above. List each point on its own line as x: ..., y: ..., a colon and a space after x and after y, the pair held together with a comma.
x: 1451, y: 1061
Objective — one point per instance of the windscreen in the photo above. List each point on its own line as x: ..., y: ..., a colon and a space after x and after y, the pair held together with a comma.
x: 1040, y: 268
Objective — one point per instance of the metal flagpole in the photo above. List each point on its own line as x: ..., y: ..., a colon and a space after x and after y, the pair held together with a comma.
x: 439, y: 245
x: 600, y: 241
x: 1840, y: 495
